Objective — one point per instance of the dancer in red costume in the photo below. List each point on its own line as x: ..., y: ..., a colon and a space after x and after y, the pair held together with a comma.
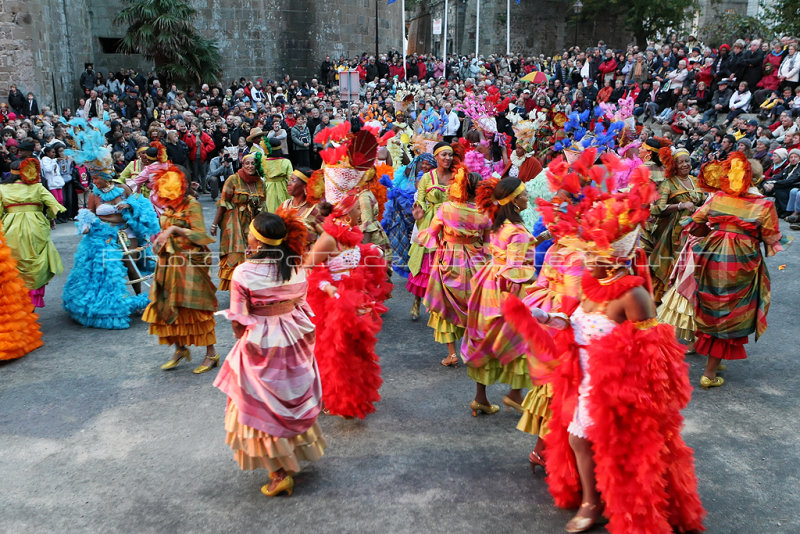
x: 614, y: 447
x: 346, y: 290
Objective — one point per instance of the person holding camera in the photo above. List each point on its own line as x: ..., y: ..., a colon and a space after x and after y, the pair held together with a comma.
x: 220, y: 167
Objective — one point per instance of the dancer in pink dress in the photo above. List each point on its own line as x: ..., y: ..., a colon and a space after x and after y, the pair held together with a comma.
x: 270, y: 376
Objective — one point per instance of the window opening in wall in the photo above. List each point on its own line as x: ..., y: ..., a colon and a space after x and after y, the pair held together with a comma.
x: 110, y: 45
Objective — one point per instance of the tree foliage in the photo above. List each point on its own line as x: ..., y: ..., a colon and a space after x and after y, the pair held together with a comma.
x: 728, y: 26
x: 643, y: 18
x: 782, y: 16
x: 162, y: 30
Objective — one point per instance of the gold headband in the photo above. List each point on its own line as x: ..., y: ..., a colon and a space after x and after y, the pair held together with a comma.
x: 681, y: 152
x: 435, y: 152
x: 300, y: 176
x: 265, y: 240
x: 517, y: 192
x: 248, y: 156
x: 651, y: 148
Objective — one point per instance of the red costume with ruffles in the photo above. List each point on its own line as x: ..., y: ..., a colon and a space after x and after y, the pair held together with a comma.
x: 638, y: 385
x: 348, y: 324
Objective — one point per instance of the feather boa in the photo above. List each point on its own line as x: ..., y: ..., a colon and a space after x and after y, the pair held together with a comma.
x: 343, y: 233
x: 644, y: 469
x: 475, y: 162
x: 345, y: 347
x: 538, y: 340
x: 596, y: 292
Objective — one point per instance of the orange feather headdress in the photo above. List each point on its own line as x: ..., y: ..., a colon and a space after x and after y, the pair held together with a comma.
x: 296, y: 233
x: 733, y: 176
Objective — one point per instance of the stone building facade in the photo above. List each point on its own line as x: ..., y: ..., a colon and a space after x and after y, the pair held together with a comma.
x: 45, y: 43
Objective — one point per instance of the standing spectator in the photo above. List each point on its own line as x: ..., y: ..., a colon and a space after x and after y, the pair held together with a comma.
x: 326, y: 71
x: 607, y: 68
x: 737, y: 64
x: 301, y: 139
x: 16, y: 100
x: 199, y: 144
x: 88, y: 78
x: 31, y: 107
x: 753, y: 60
x: 721, y: 68
x: 177, y: 150
x: 277, y: 132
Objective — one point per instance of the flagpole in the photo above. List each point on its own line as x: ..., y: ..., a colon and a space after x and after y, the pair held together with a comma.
x: 444, y: 38
x: 477, y: 27
x: 508, y: 27
x: 403, y: 36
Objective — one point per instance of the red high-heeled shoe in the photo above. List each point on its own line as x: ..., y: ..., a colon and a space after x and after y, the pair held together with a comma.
x: 535, y: 460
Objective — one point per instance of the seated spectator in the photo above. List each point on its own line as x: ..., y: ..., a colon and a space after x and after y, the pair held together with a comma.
x: 739, y: 102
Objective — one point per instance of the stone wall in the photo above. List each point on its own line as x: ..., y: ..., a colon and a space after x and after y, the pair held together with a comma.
x: 45, y: 43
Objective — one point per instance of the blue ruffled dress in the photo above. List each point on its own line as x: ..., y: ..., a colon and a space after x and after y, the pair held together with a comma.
x: 96, y: 293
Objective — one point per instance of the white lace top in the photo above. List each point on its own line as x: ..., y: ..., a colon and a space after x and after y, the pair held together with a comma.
x: 342, y: 264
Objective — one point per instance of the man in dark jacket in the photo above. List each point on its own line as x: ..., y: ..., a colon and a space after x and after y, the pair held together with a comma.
x: 719, y: 102
x: 88, y: 78
x: 372, y: 70
x: 753, y: 62
x: 737, y: 64
x: 383, y: 68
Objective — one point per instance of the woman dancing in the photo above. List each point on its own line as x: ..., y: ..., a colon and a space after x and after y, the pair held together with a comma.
x: 96, y: 293
x: 678, y: 198
x: 243, y: 197
x: 27, y: 210
x: 347, y: 287
x: 492, y: 351
x: 457, y: 232
x: 614, y: 447
x: 182, y: 298
x: 306, y: 191
x: 733, y: 288
x: 270, y: 376
x: 431, y: 192
x: 398, y: 219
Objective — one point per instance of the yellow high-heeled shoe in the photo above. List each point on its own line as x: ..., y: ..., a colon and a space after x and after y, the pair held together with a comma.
x: 488, y: 409
x: 287, y: 485
x: 176, y: 359
x: 715, y: 382
x: 512, y: 404
x: 205, y: 368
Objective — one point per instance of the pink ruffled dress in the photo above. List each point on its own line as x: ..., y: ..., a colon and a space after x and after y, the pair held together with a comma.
x: 270, y: 376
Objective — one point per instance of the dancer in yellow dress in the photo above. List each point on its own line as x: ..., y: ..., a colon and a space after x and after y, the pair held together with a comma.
x: 26, y: 209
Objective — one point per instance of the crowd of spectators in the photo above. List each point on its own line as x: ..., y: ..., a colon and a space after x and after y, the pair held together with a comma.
x: 712, y: 100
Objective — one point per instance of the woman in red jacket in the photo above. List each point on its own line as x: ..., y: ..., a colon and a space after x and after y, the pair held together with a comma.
x: 200, y: 145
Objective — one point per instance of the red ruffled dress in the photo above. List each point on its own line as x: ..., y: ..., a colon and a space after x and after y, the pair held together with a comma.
x: 348, y: 324
x: 623, y: 391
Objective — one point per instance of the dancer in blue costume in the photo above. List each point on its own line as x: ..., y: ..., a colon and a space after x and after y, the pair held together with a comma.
x: 398, y: 222
x: 96, y: 294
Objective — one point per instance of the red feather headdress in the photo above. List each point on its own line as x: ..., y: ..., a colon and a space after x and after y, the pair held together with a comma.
x: 601, y: 221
